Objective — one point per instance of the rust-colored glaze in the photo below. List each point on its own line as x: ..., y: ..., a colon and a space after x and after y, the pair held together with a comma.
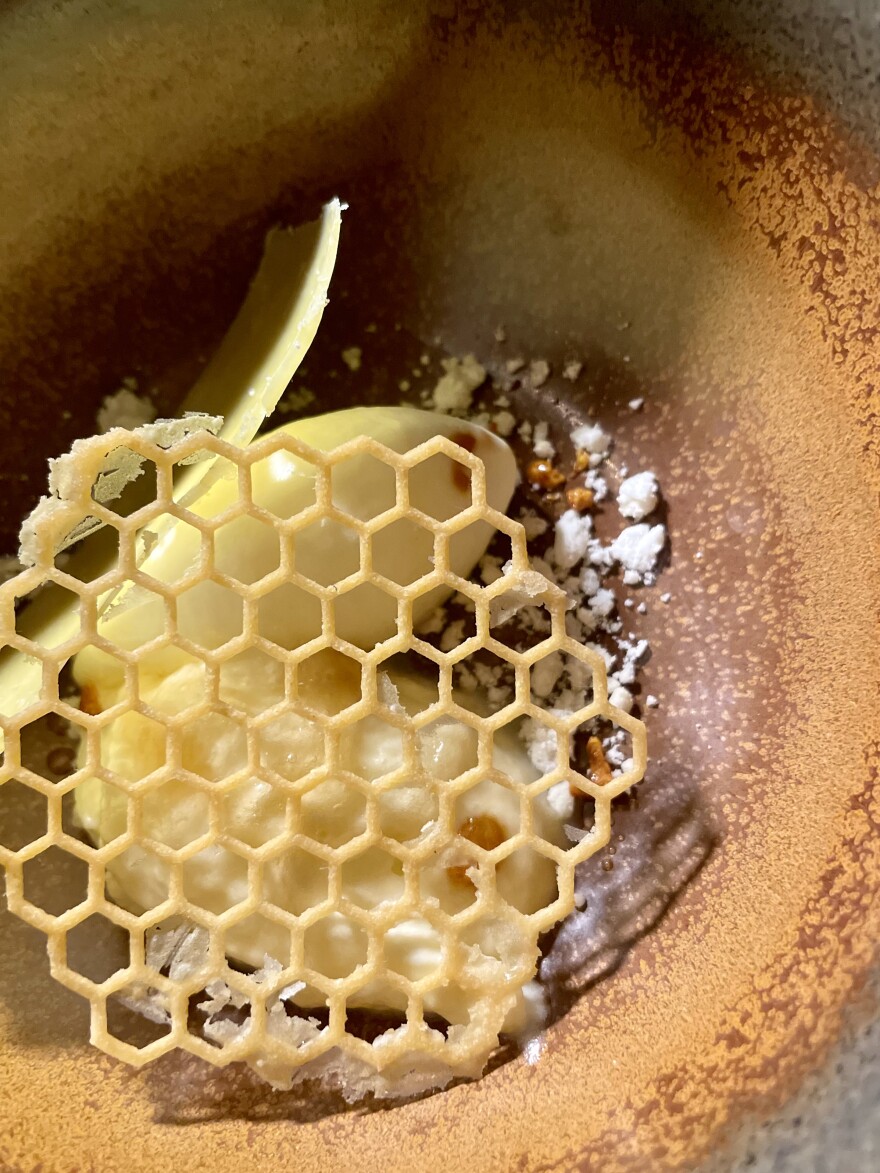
x: 461, y: 474
x: 696, y: 239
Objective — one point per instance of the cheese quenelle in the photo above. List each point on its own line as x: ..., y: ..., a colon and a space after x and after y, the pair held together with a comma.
x: 330, y: 811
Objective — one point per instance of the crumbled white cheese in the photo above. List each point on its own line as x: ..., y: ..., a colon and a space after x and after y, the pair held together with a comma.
x: 351, y: 356
x: 637, y: 548
x: 589, y: 581
x: 539, y: 372
x: 638, y: 495
x: 125, y: 409
x: 541, y: 443
x: 514, y: 364
x: 666, y: 597
x: 454, y: 392
x: 597, y: 484
x: 651, y: 701
x: 561, y: 800
x: 490, y: 569
x: 602, y: 603
x: 572, y: 370
x: 636, y: 404
x: 572, y: 538
x: 621, y: 698
x: 504, y: 422
x: 534, y: 525
x: 544, y: 675
x: 591, y: 438
x: 297, y: 399
x: 452, y: 636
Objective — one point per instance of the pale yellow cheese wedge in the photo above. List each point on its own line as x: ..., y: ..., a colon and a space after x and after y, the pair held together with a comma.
x: 326, y: 551
x: 332, y: 813
x: 243, y: 383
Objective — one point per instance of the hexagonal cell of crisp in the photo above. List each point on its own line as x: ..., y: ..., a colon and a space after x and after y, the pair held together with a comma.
x: 24, y: 817
x: 364, y: 487
x: 246, y: 550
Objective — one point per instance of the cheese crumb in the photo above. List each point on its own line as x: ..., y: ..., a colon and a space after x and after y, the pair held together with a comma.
x: 541, y: 443
x: 539, y: 372
x: 638, y: 495
x: 637, y: 548
x: 593, y: 439
x: 561, y: 800
x: 351, y: 356
x: 571, y: 538
x: 504, y: 422
x: 572, y: 370
x: 454, y: 392
x: 125, y: 409
x: 636, y: 404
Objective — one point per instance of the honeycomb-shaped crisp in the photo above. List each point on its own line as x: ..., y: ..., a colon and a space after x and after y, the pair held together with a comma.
x: 272, y: 862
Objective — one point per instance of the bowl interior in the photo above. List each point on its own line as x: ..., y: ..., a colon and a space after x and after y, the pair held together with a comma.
x: 618, y: 194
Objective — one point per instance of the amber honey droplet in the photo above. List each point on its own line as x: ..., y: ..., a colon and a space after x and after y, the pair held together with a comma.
x: 461, y: 474
x: 482, y: 830
x: 580, y: 498
x: 543, y: 475
x: 581, y: 461
x: 88, y: 701
x: 597, y: 763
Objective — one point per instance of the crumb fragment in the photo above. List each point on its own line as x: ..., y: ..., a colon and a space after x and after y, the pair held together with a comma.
x: 572, y: 370
x: 593, y: 439
x: 541, y: 442
x: 125, y: 409
x: 637, y: 548
x: 636, y: 404
x: 572, y: 538
x: 638, y: 495
x: 504, y: 422
x: 455, y: 389
x: 539, y: 372
x: 352, y: 356
x: 297, y: 399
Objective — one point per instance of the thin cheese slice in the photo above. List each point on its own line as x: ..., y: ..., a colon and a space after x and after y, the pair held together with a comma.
x: 243, y: 383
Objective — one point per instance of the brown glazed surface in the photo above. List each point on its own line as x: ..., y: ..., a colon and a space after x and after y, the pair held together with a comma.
x: 698, y: 239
